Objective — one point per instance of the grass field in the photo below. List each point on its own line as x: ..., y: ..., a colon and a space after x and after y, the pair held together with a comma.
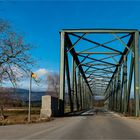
x: 20, y: 111
x: 20, y: 116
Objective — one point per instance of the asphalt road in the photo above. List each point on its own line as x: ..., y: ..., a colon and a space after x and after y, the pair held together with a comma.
x: 103, y: 125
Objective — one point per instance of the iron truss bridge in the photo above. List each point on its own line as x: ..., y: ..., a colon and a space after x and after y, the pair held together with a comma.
x: 102, y: 62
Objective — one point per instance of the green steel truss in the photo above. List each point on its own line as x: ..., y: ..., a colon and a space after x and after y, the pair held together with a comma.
x: 99, y: 62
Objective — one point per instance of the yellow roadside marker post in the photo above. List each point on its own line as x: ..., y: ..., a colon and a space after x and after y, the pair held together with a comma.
x: 32, y: 75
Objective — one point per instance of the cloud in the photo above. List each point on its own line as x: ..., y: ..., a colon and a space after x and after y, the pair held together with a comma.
x: 41, y: 72
x: 24, y: 80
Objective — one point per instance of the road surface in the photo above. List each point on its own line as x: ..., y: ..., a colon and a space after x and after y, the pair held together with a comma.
x: 103, y: 125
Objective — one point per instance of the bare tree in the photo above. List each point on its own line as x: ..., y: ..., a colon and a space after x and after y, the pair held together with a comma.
x: 53, y: 83
x: 4, y: 25
x: 6, y: 100
x: 14, y: 54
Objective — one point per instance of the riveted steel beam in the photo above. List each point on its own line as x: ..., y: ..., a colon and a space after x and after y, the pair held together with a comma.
x: 100, y: 30
x: 68, y: 82
x: 98, y: 60
x: 100, y: 53
x: 62, y: 75
x: 124, y: 53
x: 136, y: 74
x: 119, y: 89
x: 76, y: 87
x: 76, y: 42
x: 130, y: 81
x: 91, y: 48
x: 73, y: 53
x: 125, y: 83
x: 96, y: 43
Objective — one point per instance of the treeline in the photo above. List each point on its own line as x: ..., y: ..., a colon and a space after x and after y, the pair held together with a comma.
x: 9, y: 100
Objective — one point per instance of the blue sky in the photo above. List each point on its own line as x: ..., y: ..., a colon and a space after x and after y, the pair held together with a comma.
x: 40, y: 22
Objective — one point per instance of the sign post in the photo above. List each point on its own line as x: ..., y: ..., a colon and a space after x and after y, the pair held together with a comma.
x: 29, y: 107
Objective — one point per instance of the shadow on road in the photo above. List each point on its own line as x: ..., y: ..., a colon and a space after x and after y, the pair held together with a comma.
x: 88, y: 112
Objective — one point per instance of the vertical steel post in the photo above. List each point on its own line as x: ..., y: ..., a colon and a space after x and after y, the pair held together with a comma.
x: 125, y: 84
x: 82, y: 89
x: 119, y: 88
x: 81, y: 92
x: 68, y: 82
x: 111, y: 95
x: 115, y: 92
x: 75, y: 87
x: 91, y: 101
x: 62, y: 75
x: 72, y: 84
x: 109, y: 101
x: 83, y: 95
x: 86, y: 97
x: 121, y: 97
x: 130, y: 81
x: 136, y: 73
x: 117, y: 77
x: 79, y: 88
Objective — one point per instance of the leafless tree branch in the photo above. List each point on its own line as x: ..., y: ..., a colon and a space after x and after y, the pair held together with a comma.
x: 14, y: 53
x: 53, y: 83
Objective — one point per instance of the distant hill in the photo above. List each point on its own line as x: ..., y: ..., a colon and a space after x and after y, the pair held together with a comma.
x: 23, y: 94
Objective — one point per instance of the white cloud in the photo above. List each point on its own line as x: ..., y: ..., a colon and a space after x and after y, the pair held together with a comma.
x: 24, y: 80
x: 41, y: 72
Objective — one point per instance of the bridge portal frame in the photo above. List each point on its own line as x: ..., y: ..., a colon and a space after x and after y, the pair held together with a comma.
x: 114, y: 98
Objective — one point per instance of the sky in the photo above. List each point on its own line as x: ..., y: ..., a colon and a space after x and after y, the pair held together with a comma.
x: 41, y: 21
